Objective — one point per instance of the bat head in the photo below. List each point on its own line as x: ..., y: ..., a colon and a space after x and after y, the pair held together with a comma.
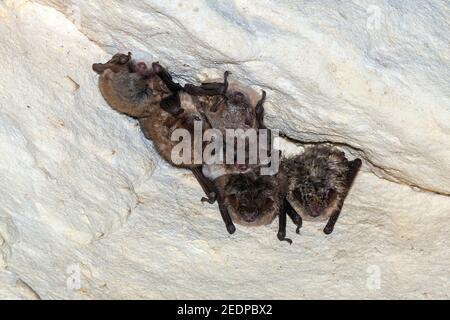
x: 252, y: 199
x: 315, y: 196
x: 317, y: 178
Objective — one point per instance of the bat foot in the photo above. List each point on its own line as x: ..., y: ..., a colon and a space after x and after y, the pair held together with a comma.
x: 328, y: 230
x: 231, y: 228
x: 259, y: 105
x: 297, y: 220
x: 225, y: 82
x: 282, y: 237
x: 210, y: 198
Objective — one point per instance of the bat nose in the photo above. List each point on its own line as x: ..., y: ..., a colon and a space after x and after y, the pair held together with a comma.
x: 315, y: 210
x: 249, y: 214
x: 242, y: 167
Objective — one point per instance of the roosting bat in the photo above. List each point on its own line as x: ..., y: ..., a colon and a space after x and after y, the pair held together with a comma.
x: 244, y: 195
x: 319, y: 181
x: 151, y: 96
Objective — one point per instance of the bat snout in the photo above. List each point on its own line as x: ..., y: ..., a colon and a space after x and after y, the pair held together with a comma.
x: 99, y: 68
x: 248, y: 213
x: 315, y: 210
x: 250, y: 216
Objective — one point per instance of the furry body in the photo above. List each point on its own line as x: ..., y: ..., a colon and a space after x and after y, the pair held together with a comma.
x: 319, y: 180
x: 133, y: 89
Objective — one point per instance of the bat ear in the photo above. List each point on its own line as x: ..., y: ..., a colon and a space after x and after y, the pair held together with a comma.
x: 124, y: 59
x: 268, y: 204
x: 157, y: 68
x: 172, y: 104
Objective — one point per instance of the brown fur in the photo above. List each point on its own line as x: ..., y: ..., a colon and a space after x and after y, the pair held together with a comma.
x: 249, y: 198
x: 160, y: 126
x: 234, y: 109
x: 317, y: 181
x: 232, y: 115
x: 127, y: 91
x: 252, y: 199
x: 132, y: 89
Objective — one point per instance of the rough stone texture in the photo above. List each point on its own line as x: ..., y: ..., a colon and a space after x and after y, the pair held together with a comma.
x: 84, y: 191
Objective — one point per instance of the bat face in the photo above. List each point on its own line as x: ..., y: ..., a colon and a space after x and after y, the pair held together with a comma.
x: 317, y: 181
x: 239, y: 104
x: 314, y: 197
x: 252, y: 200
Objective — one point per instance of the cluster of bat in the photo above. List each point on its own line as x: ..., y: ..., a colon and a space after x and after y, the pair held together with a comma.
x: 312, y: 185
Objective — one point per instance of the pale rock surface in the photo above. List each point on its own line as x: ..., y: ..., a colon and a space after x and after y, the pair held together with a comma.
x: 89, y: 210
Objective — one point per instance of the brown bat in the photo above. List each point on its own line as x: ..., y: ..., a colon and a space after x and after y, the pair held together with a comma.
x: 244, y: 195
x: 151, y: 96
x: 254, y: 200
x: 319, y: 181
x: 230, y: 104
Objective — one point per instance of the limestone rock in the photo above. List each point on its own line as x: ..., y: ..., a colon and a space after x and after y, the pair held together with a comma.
x: 89, y: 210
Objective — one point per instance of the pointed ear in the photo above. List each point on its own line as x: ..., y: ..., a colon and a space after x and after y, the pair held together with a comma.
x: 125, y: 58
x: 157, y: 68
x: 172, y: 104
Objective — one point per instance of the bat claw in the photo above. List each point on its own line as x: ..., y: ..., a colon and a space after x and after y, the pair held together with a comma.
x: 231, y: 229
x: 225, y: 82
x: 210, y: 198
x: 328, y: 230
x: 282, y: 237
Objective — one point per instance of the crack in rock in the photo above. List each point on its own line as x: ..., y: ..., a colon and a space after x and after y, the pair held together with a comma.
x: 387, y: 173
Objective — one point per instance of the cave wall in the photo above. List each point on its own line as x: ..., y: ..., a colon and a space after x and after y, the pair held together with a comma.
x: 85, y: 197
